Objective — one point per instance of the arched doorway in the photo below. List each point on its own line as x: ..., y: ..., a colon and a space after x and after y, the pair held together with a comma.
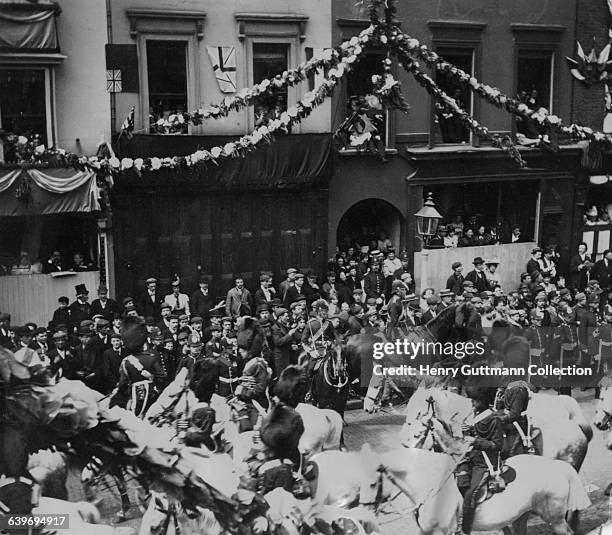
x: 364, y: 222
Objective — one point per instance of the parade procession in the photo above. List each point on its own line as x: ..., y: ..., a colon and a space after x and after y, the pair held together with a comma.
x: 302, y: 268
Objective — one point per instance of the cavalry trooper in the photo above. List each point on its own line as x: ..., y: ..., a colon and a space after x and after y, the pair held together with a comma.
x: 139, y: 372
x: 512, y: 398
x: 485, y: 436
x: 318, y: 335
x: 396, y: 310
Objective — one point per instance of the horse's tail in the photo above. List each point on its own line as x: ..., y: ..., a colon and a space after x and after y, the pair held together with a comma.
x: 576, y: 415
x: 577, y: 497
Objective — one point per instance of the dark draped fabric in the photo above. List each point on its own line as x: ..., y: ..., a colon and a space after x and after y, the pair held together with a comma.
x: 28, y: 26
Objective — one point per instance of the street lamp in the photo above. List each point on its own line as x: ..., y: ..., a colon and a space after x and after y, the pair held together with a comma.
x: 427, y: 219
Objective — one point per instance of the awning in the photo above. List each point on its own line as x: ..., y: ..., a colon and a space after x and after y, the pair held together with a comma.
x: 28, y: 26
x: 47, y: 191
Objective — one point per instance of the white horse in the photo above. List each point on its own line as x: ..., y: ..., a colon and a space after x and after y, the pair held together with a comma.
x: 564, y: 432
x: 548, y: 488
x: 603, y: 420
x: 322, y: 430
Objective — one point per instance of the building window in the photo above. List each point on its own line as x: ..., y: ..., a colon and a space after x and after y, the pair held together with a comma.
x: 363, y: 110
x: 270, y: 59
x: 24, y: 106
x: 533, y: 85
x: 451, y: 129
x: 167, y: 80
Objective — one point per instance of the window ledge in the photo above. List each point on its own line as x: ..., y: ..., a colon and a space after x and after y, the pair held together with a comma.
x: 32, y: 58
x: 350, y: 152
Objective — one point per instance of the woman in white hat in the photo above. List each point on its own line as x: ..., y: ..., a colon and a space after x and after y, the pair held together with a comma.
x: 491, y: 273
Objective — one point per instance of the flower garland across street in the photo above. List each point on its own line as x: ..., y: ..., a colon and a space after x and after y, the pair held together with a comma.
x: 346, y: 52
x: 493, y: 95
x: 450, y: 104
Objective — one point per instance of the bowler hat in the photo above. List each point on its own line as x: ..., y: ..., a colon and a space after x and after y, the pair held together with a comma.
x: 478, y: 260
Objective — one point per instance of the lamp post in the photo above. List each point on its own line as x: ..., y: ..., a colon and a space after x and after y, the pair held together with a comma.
x: 427, y: 219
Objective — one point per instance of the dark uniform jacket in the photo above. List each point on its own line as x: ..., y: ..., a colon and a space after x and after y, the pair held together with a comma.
x: 479, y: 279
x: 374, y: 284
x: 149, y: 307
x: 455, y: 284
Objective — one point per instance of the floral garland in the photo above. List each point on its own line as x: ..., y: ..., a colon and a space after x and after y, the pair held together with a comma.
x: 493, y: 95
x: 450, y: 104
x: 326, y: 59
x: 249, y: 142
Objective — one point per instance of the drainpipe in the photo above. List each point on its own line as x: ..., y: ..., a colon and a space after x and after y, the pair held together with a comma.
x: 109, y: 37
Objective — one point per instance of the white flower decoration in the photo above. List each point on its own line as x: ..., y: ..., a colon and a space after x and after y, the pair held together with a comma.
x: 22, y: 140
x: 215, y: 152
x: 138, y: 162
x: 114, y: 162
x: 228, y: 148
x: 126, y: 163
x: 156, y: 163
x: 40, y: 149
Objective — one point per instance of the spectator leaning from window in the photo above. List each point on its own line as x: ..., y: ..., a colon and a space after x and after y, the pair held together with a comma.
x: 467, y: 240
x: 54, y: 263
x: 590, y: 216
x: 23, y: 266
x: 79, y: 264
x: 451, y: 239
x: 493, y: 235
x: 516, y: 236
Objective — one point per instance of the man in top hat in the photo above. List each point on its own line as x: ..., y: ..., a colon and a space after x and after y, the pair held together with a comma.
x: 104, y: 306
x: 456, y: 280
x: 477, y: 276
x: 201, y: 302
x: 150, y: 300
x: 179, y: 302
x: 80, y: 309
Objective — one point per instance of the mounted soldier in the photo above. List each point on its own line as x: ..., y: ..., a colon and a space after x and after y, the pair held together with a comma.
x: 317, y: 337
x: 512, y: 398
x: 139, y: 371
x: 484, y: 434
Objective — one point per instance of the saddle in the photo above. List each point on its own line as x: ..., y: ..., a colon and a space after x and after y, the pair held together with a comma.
x: 494, y: 483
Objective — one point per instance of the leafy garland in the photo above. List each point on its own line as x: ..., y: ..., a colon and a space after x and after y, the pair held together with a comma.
x: 450, y: 104
x: 493, y: 95
x: 339, y: 61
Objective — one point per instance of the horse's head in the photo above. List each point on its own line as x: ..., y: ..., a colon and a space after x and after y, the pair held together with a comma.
x: 374, y: 488
x: 457, y: 323
x: 603, y: 412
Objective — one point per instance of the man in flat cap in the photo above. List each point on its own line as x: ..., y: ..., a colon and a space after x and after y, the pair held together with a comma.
x: 456, y: 280
x: 104, y: 306
x: 150, y: 300
x: 266, y: 292
x: 59, y: 355
x: 298, y: 290
x: 238, y: 301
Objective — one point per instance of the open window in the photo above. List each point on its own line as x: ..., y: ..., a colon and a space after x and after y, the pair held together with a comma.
x: 167, y: 79
x: 450, y: 129
x: 534, y: 85
x: 25, y: 106
x: 270, y: 59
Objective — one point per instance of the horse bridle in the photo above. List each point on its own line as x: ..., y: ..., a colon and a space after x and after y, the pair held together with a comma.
x: 605, y: 424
